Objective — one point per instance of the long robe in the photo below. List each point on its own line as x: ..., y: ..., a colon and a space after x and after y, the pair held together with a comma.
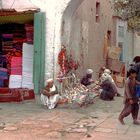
x: 51, y: 101
x: 130, y: 94
x: 108, y: 90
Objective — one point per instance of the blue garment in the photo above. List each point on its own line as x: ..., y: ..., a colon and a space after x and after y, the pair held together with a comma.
x: 138, y: 91
x: 137, y: 68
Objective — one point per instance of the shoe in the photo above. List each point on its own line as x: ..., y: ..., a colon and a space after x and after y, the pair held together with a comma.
x: 121, y: 121
x: 118, y: 95
x: 136, y: 122
x: 49, y: 106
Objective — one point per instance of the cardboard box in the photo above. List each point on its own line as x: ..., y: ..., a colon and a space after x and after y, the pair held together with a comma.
x: 119, y: 81
x: 114, y: 53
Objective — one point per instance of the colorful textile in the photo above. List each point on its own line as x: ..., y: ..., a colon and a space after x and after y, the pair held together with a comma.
x: 7, y: 35
x: 16, y: 66
x: 15, y: 95
x: 15, y: 81
x: 1, y: 82
x: 27, y: 66
x: 3, y: 73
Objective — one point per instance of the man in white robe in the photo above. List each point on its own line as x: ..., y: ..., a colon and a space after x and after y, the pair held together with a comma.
x: 50, y: 96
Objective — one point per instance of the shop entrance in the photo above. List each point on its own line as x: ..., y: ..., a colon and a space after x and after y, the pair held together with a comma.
x: 22, y: 50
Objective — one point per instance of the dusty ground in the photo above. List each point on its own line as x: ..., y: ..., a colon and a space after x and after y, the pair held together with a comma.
x: 30, y: 121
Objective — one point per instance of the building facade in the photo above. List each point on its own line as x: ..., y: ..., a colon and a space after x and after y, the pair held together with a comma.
x: 79, y: 25
x: 128, y: 41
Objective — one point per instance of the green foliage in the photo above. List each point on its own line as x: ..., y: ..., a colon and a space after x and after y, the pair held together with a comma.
x: 129, y: 10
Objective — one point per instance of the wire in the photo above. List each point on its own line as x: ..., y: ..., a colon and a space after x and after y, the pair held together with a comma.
x: 12, y: 4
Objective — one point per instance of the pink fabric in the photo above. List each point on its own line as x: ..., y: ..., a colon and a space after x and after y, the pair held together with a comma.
x: 16, y: 66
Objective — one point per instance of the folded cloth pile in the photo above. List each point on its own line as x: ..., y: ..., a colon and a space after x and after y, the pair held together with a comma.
x: 27, y: 66
x: 15, y: 81
x: 7, y: 40
x: 79, y: 94
x: 3, y: 76
x: 16, y: 66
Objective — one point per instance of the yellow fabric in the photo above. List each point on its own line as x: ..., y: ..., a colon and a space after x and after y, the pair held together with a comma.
x: 19, y: 18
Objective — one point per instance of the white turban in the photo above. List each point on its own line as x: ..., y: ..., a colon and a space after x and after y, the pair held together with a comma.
x: 49, y: 81
x: 104, y: 77
x: 107, y: 71
x: 89, y: 71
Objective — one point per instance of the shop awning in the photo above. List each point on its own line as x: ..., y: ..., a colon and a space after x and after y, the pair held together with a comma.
x: 12, y: 16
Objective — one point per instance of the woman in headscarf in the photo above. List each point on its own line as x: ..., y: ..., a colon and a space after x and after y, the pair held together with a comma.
x: 50, y: 96
x: 108, y: 90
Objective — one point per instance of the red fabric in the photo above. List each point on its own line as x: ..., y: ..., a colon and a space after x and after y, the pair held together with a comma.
x: 15, y: 95
x: 16, y: 66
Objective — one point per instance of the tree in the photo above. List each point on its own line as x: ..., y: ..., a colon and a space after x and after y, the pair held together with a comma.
x: 129, y: 10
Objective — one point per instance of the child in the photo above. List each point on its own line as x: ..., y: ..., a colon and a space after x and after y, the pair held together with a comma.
x: 130, y: 100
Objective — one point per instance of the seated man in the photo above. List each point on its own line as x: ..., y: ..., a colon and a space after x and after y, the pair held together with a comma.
x: 107, y: 71
x: 50, y: 96
x: 87, y: 80
x: 108, y: 88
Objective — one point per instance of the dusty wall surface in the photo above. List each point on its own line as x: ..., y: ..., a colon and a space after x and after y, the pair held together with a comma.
x: 130, y: 47
x: 137, y: 46
x: 86, y: 36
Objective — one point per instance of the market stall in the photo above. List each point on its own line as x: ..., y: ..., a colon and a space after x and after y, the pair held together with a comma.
x: 72, y: 91
x: 16, y: 55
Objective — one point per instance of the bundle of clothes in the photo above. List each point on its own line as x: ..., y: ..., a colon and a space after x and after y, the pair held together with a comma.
x: 80, y: 94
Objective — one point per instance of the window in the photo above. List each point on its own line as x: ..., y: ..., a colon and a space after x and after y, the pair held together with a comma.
x: 120, y: 31
x: 97, y: 11
x: 120, y: 44
x: 109, y: 37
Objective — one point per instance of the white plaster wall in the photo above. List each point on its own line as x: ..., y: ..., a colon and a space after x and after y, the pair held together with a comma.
x: 130, y: 47
x: 54, y: 15
x: 137, y: 46
x: 133, y: 45
x: 54, y: 12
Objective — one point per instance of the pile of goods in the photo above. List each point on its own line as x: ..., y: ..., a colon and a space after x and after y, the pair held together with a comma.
x: 71, y: 90
x: 80, y: 94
